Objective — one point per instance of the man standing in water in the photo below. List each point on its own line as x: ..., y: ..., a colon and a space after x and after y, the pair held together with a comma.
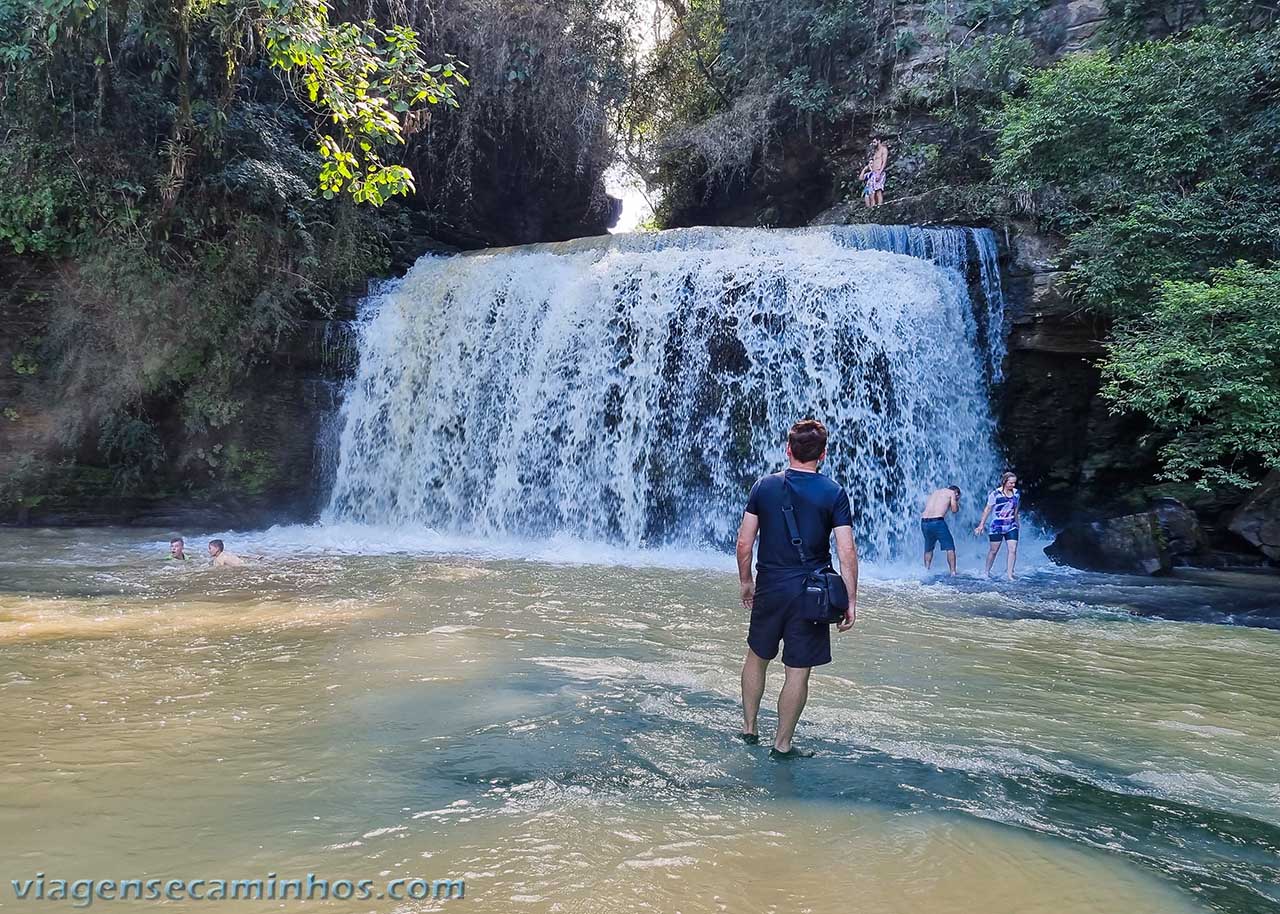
x: 933, y: 524
x: 821, y: 508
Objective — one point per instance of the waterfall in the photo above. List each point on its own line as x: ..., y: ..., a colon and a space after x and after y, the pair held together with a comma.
x: 630, y: 389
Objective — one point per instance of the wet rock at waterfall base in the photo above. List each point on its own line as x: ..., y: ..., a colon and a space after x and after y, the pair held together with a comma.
x: 1134, y: 543
x: 1258, y: 519
x: 1184, y: 538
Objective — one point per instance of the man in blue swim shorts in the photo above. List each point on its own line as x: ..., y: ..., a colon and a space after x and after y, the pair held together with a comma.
x: 933, y: 524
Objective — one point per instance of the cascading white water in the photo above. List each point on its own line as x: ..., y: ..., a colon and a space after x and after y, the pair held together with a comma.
x: 630, y: 389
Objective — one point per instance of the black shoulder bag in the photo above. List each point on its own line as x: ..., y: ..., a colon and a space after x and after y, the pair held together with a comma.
x: 825, y: 599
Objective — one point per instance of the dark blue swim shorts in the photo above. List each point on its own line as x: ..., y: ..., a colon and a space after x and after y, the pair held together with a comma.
x: 936, y: 532
x: 775, y: 618
x: 1001, y: 537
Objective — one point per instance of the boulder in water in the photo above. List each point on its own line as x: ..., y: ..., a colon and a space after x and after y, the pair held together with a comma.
x: 1134, y: 543
x: 1184, y: 538
x: 1258, y: 519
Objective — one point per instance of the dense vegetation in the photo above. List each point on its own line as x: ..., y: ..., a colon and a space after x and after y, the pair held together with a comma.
x: 523, y: 159
x: 1161, y: 166
x: 1156, y: 155
x: 191, y: 209
x: 739, y: 92
x: 1204, y: 364
x: 186, y: 183
x: 1156, y: 164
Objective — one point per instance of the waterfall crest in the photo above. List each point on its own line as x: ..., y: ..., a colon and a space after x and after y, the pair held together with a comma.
x: 630, y: 389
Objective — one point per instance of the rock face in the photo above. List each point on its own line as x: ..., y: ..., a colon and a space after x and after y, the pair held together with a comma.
x: 1258, y: 519
x: 277, y: 447
x: 1075, y: 459
x: 1134, y: 544
x: 1184, y: 538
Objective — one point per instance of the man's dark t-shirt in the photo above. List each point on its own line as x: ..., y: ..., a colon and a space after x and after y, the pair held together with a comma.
x: 821, y: 505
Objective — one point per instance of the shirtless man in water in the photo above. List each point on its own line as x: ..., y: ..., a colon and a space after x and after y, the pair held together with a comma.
x: 221, y: 557
x: 933, y: 524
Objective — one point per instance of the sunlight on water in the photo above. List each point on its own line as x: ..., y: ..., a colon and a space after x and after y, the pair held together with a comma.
x: 560, y: 735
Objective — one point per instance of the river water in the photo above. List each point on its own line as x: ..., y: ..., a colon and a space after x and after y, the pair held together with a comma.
x: 556, y: 726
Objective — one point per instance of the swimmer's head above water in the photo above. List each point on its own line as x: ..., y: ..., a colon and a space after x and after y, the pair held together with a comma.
x: 220, y: 556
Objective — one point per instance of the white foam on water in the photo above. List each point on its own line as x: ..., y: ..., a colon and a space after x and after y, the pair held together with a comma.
x: 353, y: 539
x: 626, y: 392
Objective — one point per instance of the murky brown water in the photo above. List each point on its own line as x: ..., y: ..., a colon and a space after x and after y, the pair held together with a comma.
x: 561, y: 738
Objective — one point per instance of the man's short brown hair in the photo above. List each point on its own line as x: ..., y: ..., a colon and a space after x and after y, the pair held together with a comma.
x: 807, y: 439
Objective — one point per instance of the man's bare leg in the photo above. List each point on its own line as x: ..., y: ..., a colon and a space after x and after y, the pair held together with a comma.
x: 991, y: 555
x: 1011, y: 557
x: 951, y: 560
x: 928, y: 560
x: 795, y: 692
x: 753, y: 672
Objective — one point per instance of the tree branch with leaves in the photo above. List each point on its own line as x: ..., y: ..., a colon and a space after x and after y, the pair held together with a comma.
x: 366, y: 82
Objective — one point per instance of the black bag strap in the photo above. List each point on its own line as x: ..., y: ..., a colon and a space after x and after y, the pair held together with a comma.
x: 793, y: 530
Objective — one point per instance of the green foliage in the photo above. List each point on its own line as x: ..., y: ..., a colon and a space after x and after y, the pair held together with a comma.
x: 977, y: 12
x: 537, y: 125
x: 990, y: 65
x: 734, y: 75
x: 132, y: 448
x: 193, y: 323
x: 805, y: 94
x: 739, y: 85
x: 1133, y: 20
x: 1163, y: 161
x: 1160, y: 167
x: 906, y: 43
x: 165, y: 157
x: 244, y: 471
x: 364, y: 80
x: 41, y: 209
x: 21, y: 482
x: 1204, y: 366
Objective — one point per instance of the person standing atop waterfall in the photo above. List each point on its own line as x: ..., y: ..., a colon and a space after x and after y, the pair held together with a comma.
x: 821, y: 508
x: 874, y: 174
x: 1003, y: 505
x: 933, y: 524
